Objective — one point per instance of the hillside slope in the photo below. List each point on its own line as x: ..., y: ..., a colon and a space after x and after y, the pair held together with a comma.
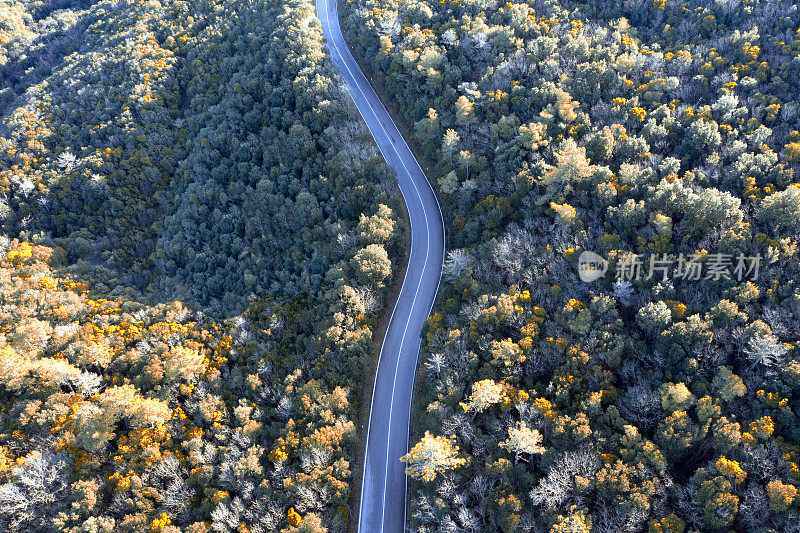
x: 198, y: 235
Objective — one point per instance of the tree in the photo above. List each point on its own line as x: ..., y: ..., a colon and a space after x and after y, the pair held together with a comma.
x: 709, y: 209
x: 506, y: 353
x: 66, y: 161
x: 450, y: 144
x: 293, y: 517
x: 566, y: 215
x: 766, y: 350
x: 571, y: 162
x: 728, y: 385
x: 427, y: 128
x: 377, y: 228
x: 792, y: 153
x: 727, y: 434
x: 554, y: 489
x: 702, y: 138
x: 600, y: 145
x: 464, y: 112
x: 458, y: 262
x: 668, y: 524
x: 654, y: 317
x: 731, y: 470
x: 96, y: 422
x: 522, y: 439
x: 781, y: 210
x: 781, y: 495
x: 485, y: 393
x: 675, y: 397
x: 575, y: 521
x: 531, y: 136
x: 311, y: 523
x: 432, y: 456
x: 676, y: 434
x: 38, y: 490
x: 623, y: 291
x: 718, y: 502
x: 570, y: 170
x: 448, y: 184
x: 372, y: 264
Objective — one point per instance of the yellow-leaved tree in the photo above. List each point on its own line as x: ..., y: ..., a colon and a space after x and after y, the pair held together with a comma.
x: 522, y: 439
x: 485, y: 393
x: 431, y: 456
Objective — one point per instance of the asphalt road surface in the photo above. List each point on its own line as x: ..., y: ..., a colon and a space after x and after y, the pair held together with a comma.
x: 383, y: 489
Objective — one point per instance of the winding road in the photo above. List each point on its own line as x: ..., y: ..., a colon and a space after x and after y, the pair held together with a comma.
x: 383, y: 488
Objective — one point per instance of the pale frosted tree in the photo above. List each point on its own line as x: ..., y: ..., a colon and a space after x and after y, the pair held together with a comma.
x: 66, y: 161
x: 555, y: 488
x: 654, y: 317
x: 457, y: 262
x: 450, y: 38
x: 26, y: 187
x: 38, y: 489
x: 88, y: 383
x: 623, y: 292
x: 367, y: 299
x: 765, y: 350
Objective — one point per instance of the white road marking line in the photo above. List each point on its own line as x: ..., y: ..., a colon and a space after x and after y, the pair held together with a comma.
x: 413, y: 301
x: 355, y: 81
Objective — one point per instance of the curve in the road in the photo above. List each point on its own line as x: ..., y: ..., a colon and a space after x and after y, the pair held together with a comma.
x: 382, y: 506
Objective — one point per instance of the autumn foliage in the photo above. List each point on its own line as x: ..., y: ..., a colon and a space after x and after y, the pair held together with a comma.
x: 631, y: 130
x: 197, y: 237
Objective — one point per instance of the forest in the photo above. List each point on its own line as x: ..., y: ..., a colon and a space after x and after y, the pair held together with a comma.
x: 657, y: 133
x: 198, y: 235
